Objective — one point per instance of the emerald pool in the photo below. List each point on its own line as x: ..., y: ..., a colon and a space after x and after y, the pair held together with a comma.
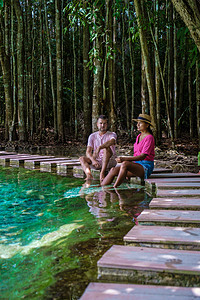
x: 53, y: 230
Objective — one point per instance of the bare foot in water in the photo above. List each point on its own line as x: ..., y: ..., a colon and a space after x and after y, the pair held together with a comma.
x: 89, y: 177
x: 102, y: 176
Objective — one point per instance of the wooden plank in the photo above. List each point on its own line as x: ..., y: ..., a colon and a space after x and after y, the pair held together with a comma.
x: 182, y: 238
x: 169, y: 217
x: 35, y: 163
x: 152, y: 183
x: 150, y: 265
x: 174, y: 175
x: 51, y: 166
x: 178, y: 193
x: 177, y: 185
x: 19, y: 162
x: 5, y: 160
x: 161, y: 171
x: 66, y: 168
x: 3, y: 153
x: 115, y: 291
x: 175, y: 203
x: 173, y: 180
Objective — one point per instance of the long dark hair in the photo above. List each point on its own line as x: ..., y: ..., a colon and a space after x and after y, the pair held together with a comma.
x: 149, y: 129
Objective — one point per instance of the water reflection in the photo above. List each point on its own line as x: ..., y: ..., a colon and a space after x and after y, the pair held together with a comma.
x: 103, y: 203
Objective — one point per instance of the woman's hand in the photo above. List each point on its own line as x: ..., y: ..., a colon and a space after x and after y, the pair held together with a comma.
x: 119, y: 159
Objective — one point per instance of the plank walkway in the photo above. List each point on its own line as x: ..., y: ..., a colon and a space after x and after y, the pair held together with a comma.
x: 150, y: 266
x: 167, y: 237
x: 162, y: 250
x: 170, y: 217
x: 44, y: 163
x: 175, y: 203
x: 113, y: 291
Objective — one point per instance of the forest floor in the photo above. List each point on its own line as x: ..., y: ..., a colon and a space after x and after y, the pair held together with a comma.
x: 181, y: 158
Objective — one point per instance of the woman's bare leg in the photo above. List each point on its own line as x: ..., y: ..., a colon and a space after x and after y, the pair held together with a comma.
x: 129, y: 169
x: 111, y: 175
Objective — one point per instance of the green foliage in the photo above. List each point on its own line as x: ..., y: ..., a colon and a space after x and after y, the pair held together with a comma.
x: 1, y: 4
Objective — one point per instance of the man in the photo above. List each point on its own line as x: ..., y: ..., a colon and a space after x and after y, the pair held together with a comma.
x: 100, y: 151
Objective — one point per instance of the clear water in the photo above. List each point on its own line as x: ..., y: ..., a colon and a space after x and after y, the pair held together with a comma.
x: 53, y: 230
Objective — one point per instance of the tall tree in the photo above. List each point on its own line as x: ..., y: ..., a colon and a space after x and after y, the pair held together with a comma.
x: 51, y: 71
x: 198, y: 97
x: 124, y: 69
x: 59, y: 71
x: 6, y: 69
x: 139, y: 7
x: 86, y: 74
x: 20, y: 72
x: 97, y: 104
x: 189, y: 11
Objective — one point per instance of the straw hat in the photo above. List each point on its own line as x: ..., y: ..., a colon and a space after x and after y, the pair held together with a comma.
x: 144, y: 118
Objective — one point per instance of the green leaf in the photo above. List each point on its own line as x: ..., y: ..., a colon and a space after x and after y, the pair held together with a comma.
x: 1, y: 4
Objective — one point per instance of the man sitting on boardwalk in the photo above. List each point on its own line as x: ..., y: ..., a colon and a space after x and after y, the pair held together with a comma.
x: 100, y: 152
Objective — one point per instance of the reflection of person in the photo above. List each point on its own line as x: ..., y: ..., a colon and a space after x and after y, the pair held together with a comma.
x: 100, y: 151
x: 142, y: 163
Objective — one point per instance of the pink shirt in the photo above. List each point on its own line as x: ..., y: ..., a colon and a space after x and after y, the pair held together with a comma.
x: 146, y: 146
x: 95, y: 140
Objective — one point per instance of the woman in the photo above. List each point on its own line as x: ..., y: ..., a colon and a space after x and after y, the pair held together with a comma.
x: 142, y: 163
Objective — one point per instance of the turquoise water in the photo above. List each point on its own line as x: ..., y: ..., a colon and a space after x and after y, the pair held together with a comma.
x: 53, y: 230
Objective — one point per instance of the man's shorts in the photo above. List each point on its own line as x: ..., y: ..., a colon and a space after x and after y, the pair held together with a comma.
x: 112, y: 162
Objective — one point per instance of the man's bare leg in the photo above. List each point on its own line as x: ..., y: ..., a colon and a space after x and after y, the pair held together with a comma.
x: 111, y: 175
x: 106, y: 157
x: 129, y: 169
x: 85, y: 163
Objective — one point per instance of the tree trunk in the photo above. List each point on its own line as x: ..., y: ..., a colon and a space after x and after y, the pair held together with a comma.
x: 190, y: 101
x: 190, y: 13
x: 20, y: 72
x: 163, y: 83
x: 41, y: 93
x: 59, y: 73
x: 113, y: 116
x: 170, y: 61
x: 51, y: 72
x: 148, y: 71
x: 74, y: 80
x: 144, y: 90
x: 124, y: 72
x: 175, y: 79
x: 97, y: 77
x: 198, y: 98
x: 12, y: 134
x: 111, y: 76
x: 6, y: 69
x: 86, y: 94
x: 157, y: 73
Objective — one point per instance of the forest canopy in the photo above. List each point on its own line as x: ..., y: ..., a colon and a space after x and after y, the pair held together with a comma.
x: 62, y: 63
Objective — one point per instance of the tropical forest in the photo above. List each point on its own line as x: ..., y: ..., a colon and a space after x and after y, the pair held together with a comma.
x: 63, y: 63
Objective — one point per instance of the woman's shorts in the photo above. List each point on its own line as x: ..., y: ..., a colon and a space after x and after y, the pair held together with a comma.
x: 148, y: 167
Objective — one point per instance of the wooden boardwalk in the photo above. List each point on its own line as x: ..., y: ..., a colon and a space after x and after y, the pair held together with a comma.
x: 160, y: 258
x: 42, y: 163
